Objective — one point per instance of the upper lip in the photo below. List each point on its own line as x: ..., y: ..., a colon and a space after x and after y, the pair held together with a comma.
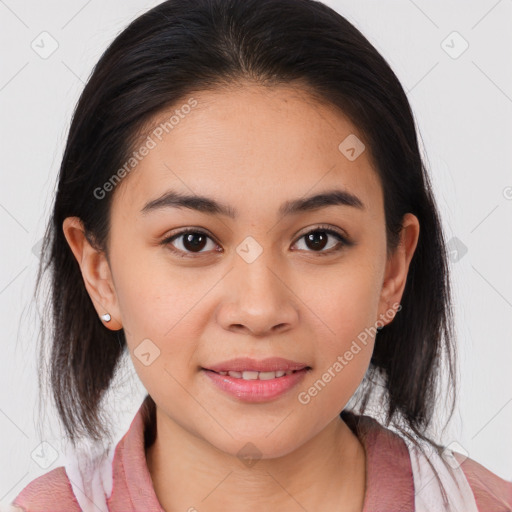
x: 271, y: 364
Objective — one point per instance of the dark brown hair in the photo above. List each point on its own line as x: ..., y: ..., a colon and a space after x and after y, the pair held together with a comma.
x: 181, y: 46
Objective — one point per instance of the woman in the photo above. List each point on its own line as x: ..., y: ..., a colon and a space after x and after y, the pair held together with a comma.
x: 242, y: 206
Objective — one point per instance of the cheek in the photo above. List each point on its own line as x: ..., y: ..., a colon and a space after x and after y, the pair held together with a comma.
x: 154, y: 296
x: 348, y: 309
x: 348, y: 302
x: 345, y: 344
x: 163, y: 318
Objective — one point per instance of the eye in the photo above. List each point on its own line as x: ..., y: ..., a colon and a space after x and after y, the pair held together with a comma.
x: 190, y: 241
x: 317, y: 239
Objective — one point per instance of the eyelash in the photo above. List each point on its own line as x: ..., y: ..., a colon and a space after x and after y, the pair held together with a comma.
x: 324, y: 229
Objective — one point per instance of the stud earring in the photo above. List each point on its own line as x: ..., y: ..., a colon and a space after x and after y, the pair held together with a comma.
x: 106, y: 317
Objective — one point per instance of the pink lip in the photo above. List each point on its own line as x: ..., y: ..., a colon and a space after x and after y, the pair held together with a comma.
x: 271, y: 364
x: 256, y: 390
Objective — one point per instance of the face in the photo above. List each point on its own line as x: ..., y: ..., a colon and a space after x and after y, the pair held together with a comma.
x: 265, y: 274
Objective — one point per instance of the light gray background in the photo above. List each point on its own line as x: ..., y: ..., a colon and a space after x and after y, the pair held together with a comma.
x: 463, y: 107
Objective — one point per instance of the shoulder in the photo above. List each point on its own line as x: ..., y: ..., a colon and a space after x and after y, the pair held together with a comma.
x: 492, y: 493
x: 50, y: 491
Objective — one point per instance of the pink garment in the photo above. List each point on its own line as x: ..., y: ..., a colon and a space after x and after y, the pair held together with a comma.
x: 389, y: 477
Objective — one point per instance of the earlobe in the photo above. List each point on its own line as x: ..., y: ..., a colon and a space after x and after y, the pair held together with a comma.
x: 397, y: 265
x: 95, y: 273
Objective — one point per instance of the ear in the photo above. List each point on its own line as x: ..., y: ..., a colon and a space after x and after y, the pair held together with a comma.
x: 95, y: 272
x: 397, y: 268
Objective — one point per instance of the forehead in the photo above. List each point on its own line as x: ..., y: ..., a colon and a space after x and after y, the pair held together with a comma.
x: 248, y: 145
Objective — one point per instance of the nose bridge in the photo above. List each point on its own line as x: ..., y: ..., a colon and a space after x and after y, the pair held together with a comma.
x: 256, y: 271
x: 259, y: 299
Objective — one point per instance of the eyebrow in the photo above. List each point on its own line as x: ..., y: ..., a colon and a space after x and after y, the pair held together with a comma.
x: 173, y: 199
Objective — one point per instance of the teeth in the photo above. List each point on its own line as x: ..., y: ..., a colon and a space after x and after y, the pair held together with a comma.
x: 267, y: 375
x: 251, y: 375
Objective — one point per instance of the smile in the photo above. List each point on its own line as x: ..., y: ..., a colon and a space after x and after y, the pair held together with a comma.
x: 254, y: 387
x: 252, y: 375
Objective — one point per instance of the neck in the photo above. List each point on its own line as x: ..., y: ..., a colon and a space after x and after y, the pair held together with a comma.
x: 188, y: 472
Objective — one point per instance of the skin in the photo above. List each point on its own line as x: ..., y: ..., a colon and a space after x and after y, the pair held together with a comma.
x: 252, y: 148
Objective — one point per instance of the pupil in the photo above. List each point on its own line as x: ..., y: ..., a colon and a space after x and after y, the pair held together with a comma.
x: 196, y: 245
x: 318, y: 239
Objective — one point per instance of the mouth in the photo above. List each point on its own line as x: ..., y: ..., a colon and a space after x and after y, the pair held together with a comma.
x: 251, y: 369
x: 257, y: 375
x: 256, y: 380
x: 253, y: 386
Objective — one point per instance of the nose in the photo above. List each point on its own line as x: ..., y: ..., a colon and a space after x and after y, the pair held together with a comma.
x: 257, y: 300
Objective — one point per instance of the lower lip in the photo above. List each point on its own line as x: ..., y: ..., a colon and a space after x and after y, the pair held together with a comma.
x: 256, y: 390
